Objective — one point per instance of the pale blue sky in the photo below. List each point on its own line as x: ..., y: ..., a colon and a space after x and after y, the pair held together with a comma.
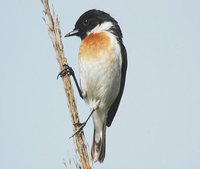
x: 157, y: 124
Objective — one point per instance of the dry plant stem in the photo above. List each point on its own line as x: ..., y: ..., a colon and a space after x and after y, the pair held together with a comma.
x: 55, y: 35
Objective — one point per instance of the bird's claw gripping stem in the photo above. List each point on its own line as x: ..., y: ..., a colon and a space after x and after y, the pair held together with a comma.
x: 66, y: 71
x: 80, y: 129
x: 70, y: 72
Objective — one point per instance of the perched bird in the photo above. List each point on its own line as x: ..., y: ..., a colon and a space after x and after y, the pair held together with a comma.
x: 102, y: 64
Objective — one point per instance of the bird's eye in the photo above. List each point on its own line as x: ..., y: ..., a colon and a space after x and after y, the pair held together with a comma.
x: 85, y: 22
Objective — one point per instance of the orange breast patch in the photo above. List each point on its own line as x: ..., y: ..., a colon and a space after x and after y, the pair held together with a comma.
x: 93, y: 45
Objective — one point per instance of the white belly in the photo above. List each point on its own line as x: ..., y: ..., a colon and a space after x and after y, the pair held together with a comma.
x: 100, y: 81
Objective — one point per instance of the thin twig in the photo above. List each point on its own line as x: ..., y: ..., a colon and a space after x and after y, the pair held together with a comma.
x: 52, y: 23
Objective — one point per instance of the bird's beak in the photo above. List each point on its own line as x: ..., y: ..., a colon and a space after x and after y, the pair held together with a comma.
x: 72, y: 33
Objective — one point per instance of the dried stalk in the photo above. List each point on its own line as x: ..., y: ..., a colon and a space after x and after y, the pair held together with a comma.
x: 55, y: 35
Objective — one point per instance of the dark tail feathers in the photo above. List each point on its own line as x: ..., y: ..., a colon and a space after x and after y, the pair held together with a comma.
x: 98, y: 149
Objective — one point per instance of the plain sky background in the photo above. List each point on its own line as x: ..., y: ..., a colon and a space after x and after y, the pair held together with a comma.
x: 158, y: 123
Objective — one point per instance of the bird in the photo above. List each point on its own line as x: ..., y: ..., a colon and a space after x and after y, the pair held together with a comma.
x: 102, y: 67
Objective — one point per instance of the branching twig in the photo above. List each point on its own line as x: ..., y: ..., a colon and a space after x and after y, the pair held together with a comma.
x: 55, y: 35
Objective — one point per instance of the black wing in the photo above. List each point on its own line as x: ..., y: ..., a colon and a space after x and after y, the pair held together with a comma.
x: 113, y: 109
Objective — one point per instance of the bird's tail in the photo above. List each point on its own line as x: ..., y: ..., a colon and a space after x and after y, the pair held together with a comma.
x: 99, y: 147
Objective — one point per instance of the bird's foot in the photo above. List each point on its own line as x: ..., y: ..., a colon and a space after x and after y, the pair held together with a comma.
x: 66, y: 71
x: 80, y: 129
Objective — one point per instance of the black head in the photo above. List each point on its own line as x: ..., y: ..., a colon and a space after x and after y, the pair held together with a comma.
x: 95, y: 19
